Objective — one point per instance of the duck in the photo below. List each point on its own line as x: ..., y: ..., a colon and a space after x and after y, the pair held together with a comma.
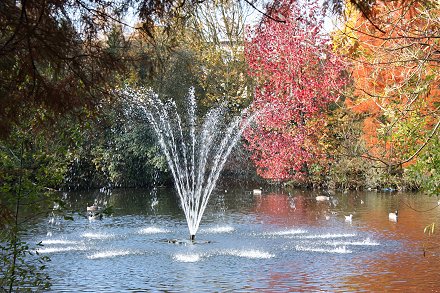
x: 94, y: 216
x: 349, y: 218
x: 322, y: 198
x: 393, y: 216
x: 256, y: 192
x: 93, y: 208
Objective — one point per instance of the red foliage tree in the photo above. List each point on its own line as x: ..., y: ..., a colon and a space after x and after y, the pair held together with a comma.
x: 297, y: 77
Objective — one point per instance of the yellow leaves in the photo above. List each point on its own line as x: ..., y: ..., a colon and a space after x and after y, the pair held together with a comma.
x: 345, y: 40
x: 430, y: 229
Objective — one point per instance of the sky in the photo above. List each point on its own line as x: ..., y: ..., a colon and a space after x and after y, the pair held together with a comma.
x: 252, y: 16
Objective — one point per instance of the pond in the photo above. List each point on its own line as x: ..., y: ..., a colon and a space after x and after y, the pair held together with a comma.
x: 273, y: 242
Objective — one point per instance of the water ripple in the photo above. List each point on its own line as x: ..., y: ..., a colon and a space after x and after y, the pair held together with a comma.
x: 187, y: 257
x: 97, y: 235
x: 60, y: 249
x: 287, y: 232
x: 365, y: 242
x: 153, y: 230
x: 341, y: 249
x: 219, y: 229
x: 109, y: 254
x: 327, y: 236
x: 251, y: 253
x: 58, y: 241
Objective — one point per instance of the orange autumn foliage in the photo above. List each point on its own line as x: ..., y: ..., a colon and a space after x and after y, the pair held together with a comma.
x: 395, y: 72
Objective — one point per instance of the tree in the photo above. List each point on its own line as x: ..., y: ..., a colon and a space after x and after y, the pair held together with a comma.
x: 52, y: 60
x: 31, y: 167
x: 54, y: 54
x: 118, y: 150
x: 395, y: 68
x: 297, y: 77
x: 217, y: 34
x: 207, y: 53
x: 59, y: 64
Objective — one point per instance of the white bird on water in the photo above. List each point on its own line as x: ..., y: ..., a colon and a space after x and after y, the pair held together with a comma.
x: 393, y: 216
x: 322, y: 198
x: 349, y: 218
x: 93, y: 208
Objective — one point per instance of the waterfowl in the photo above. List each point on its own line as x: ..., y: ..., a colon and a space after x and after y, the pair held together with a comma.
x: 93, y: 208
x: 256, y: 191
x: 388, y: 189
x: 393, y: 216
x: 349, y: 218
x: 322, y: 198
x: 94, y: 216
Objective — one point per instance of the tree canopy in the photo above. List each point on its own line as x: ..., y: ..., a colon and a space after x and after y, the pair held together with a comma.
x: 297, y: 77
x: 395, y: 72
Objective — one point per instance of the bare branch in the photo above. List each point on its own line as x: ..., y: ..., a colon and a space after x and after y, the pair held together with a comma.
x: 263, y: 13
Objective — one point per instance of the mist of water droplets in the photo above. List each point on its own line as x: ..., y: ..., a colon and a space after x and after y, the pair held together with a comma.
x: 196, y: 151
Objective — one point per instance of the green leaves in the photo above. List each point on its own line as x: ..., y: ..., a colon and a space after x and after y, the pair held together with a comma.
x: 426, y: 171
x: 117, y: 151
x: 32, y: 167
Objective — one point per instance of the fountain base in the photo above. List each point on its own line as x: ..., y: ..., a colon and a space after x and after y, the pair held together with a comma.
x: 187, y: 242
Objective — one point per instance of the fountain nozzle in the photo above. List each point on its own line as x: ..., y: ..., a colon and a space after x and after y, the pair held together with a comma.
x: 192, y: 237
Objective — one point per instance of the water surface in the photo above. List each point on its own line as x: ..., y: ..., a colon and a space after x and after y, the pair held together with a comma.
x: 274, y: 242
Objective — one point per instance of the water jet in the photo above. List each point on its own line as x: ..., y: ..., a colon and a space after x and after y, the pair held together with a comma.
x: 195, y: 152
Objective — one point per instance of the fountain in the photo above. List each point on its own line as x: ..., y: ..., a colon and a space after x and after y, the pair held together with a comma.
x: 195, y: 153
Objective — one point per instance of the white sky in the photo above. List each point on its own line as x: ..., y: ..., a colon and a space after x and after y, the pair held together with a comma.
x: 252, y: 17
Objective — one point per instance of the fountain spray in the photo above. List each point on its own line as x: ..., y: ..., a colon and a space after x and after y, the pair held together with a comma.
x: 195, y: 153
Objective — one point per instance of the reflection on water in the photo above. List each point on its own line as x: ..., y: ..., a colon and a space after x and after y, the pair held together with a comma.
x: 274, y: 242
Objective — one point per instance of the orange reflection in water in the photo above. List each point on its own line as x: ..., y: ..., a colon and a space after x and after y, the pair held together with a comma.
x: 418, y: 256
x: 401, y: 268
x: 299, y: 208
